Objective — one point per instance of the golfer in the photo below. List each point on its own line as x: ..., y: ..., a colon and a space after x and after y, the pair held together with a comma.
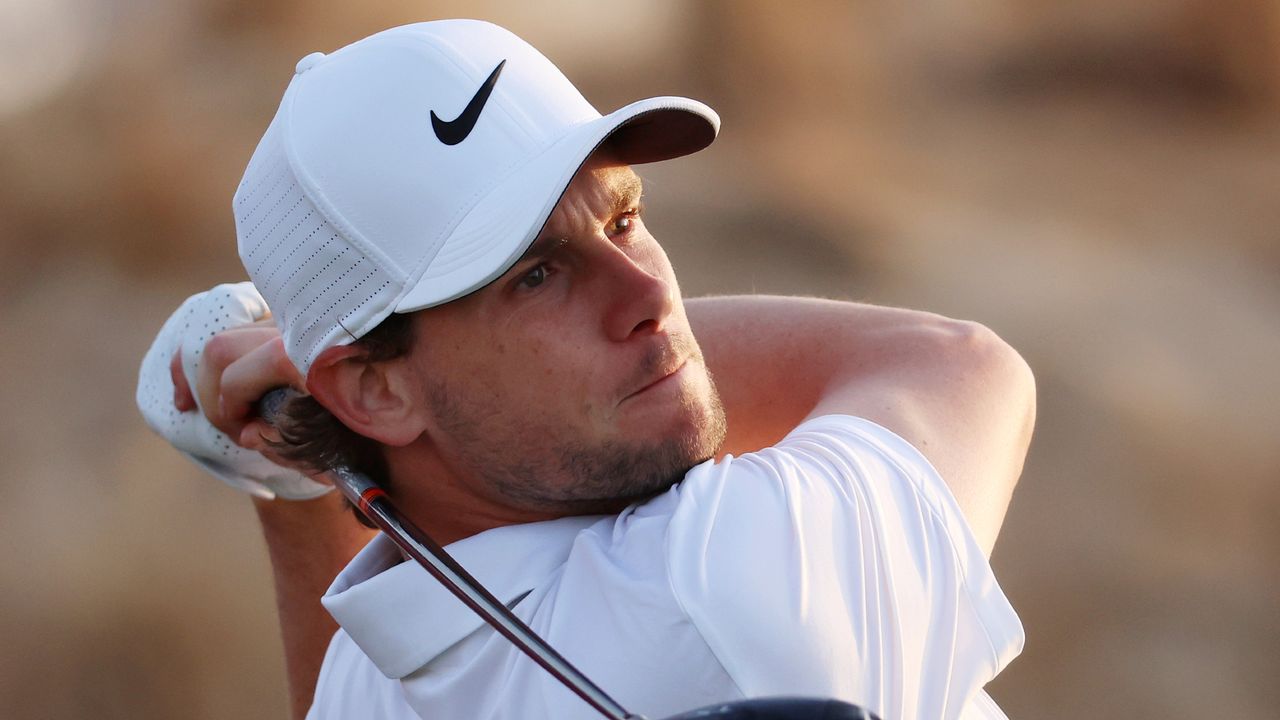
x: 693, y: 500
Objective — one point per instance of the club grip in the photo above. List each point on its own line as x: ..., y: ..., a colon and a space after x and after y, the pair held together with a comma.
x: 270, y: 405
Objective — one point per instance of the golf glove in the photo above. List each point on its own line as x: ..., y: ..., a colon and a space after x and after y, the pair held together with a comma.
x: 201, y: 317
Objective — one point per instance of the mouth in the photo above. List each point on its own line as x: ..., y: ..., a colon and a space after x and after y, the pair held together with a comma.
x: 666, y: 378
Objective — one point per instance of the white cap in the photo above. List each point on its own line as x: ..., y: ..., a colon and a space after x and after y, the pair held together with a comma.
x: 417, y: 165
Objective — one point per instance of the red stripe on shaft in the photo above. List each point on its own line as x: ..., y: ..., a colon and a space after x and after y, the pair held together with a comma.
x: 368, y: 496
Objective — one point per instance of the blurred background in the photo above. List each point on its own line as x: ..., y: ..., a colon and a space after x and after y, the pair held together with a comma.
x: 1096, y: 180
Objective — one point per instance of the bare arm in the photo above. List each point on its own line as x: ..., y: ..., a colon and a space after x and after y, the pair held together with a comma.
x: 952, y: 389
x: 308, y: 541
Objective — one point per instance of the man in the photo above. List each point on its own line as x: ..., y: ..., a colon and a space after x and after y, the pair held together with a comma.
x: 484, y: 324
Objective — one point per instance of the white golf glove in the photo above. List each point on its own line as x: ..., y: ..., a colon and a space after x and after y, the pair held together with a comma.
x: 201, y: 317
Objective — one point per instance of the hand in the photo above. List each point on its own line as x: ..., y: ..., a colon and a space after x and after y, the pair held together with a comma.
x: 236, y: 367
x: 224, y: 339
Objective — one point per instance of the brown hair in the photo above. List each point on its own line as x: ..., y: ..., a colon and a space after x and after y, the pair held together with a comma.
x: 313, y: 437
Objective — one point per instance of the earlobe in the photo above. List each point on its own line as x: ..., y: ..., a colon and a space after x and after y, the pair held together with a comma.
x: 371, y: 398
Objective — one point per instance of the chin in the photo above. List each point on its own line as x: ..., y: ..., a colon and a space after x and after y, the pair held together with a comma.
x: 611, y: 475
x: 651, y: 448
x: 696, y: 432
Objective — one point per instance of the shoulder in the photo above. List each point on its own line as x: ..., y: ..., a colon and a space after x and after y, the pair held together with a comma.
x: 833, y: 465
x: 960, y: 394
x: 844, y: 551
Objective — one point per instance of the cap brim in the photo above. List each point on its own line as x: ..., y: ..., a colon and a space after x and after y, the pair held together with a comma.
x: 495, y: 233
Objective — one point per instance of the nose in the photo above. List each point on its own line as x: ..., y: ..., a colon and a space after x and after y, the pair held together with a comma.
x: 640, y: 300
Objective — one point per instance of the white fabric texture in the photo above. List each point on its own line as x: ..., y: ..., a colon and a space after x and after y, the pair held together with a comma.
x: 202, y: 316
x: 835, y: 564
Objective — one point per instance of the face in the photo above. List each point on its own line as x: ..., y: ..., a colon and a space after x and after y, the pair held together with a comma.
x: 572, y: 383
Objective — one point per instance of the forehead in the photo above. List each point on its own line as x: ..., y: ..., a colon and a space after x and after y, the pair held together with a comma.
x: 601, y: 187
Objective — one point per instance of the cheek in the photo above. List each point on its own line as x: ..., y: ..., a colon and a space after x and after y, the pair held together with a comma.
x: 530, y: 366
x: 560, y: 377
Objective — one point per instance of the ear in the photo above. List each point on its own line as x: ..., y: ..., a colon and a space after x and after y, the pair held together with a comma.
x: 375, y: 399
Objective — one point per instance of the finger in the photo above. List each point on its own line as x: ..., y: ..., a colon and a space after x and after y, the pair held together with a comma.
x: 183, y: 400
x: 246, y: 380
x: 222, y: 351
x: 258, y: 435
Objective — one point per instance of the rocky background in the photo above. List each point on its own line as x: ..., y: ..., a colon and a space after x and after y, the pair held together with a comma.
x: 1099, y: 181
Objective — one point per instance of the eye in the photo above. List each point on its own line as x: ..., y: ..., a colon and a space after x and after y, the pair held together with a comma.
x: 625, y: 222
x: 535, y: 277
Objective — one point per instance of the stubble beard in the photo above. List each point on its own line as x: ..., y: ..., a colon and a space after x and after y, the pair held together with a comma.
x: 574, y: 477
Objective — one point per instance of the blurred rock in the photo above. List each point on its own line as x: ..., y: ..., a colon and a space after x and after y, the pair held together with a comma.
x: 1096, y: 181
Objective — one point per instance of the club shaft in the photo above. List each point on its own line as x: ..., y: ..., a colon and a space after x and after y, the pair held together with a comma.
x: 374, y: 503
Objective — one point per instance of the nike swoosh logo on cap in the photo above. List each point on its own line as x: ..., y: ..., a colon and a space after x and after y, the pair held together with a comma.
x: 456, y: 130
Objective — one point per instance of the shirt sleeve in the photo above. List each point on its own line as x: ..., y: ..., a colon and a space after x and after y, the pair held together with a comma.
x: 837, y: 563
x: 351, y: 686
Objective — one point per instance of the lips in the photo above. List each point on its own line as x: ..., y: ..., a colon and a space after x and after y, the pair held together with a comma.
x: 661, y: 378
x: 657, y: 380
x: 664, y: 357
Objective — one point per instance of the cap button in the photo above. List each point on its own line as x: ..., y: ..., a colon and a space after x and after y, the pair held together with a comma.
x: 308, y: 62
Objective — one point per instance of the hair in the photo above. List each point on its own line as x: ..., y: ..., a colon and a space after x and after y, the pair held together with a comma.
x: 314, y: 438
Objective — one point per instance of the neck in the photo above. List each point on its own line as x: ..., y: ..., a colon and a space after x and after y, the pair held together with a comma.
x: 446, y: 503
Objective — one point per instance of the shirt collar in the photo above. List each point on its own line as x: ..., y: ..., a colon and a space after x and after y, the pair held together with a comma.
x: 402, y: 618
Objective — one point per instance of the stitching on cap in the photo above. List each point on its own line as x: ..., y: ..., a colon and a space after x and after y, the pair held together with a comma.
x: 281, y: 195
x: 298, y: 268
x: 303, y: 264
x: 272, y: 169
x: 325, y: 313
x: 285, y: 216
x: 270, y: 160
x: 311, y: 350
x: 319, y: 340
x: 285, y: 238
x: 262, y: 261
x: 361, y: 304
x: 368, y: 297
x: 307, y: 285
x: 271, y: 232
x: 316, y: 276
x: 275, y: 185
x: 296, y: 247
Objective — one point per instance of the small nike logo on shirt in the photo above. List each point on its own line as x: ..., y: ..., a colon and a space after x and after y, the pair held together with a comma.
x: 456, y: 130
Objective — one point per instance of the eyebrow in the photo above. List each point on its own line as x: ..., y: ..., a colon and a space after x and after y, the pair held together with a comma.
x: 622, y: 195
x: 541, y: 247
x: 626, y: 192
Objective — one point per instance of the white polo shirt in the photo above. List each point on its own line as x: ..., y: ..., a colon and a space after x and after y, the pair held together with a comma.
x: 834, y: 564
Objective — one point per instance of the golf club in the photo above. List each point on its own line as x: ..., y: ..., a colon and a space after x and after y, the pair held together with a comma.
x: 374, y: 503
